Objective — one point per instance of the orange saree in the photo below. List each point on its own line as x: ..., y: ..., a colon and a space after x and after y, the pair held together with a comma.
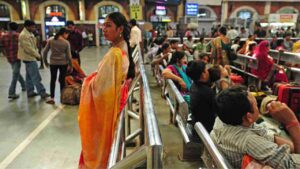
x: 100, y: 107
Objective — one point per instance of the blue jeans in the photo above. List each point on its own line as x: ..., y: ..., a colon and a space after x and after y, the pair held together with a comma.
x: 33, y: 78
x: 16, y: 76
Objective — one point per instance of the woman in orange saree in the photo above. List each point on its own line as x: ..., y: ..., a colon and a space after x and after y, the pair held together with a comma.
x: 101, y: 93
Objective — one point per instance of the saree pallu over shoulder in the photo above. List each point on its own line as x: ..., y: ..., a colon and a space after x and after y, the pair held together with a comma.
x: 99, y: 109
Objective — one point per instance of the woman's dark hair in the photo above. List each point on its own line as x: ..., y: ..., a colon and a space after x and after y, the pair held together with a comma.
x: 119, y: 20
x: 176, y: 57
x: 195, y: 69
x: 251, y: 46
x: 223, y: 30
x: 61, y: 32
x: 214, y: 73
x: 233, y: 104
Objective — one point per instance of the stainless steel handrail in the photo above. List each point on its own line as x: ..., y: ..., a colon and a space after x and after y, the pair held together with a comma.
x: 153, y: 135
x: 219, y: 160
x: 285, y: 56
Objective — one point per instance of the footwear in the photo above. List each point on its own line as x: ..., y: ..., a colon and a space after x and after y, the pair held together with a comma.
x: 50, y: 101
x: 13, y: 96
x: 45, y: 95
x: 32, y: 94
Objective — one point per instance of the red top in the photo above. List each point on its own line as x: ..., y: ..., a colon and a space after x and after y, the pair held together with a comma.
x: 9, y: 43
x: 265, y: 63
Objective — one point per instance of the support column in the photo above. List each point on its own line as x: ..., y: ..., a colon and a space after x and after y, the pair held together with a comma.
x: 81, y: 10
x: 25, y: 10
x: 224, y: 12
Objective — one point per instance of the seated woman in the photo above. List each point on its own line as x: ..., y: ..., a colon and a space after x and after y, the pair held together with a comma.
x: 219, y: 78
x: 250, y: 48
x: 202, y: 106
x: 76, y: 76
x: 176, y: 71
x: 265, y: 62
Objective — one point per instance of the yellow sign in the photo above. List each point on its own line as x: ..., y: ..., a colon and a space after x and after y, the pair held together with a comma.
x: 136, y: 12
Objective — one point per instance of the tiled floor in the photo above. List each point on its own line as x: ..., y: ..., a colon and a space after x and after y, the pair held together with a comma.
x: 35, y: 135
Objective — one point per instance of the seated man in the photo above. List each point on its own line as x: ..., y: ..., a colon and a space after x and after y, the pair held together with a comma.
x: 236, y: 134
x: 164, y: 55
x: 188, y: 46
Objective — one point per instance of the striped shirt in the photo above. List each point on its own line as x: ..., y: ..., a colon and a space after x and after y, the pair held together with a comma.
x: 236, y: 141
x: 9, y: 43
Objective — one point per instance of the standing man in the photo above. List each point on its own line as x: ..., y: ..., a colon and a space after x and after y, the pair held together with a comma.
x: 135, y: 35
x: 29, y: 54
x: 9, y: 42
x: 75, y: 39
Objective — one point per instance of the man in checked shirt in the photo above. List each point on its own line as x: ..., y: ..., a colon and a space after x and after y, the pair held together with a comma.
x: 9, y: 43
x: 236, y: 134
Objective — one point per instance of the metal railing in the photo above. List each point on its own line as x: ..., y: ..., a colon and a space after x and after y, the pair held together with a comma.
x: 150, y: 150
x: 218, y: 161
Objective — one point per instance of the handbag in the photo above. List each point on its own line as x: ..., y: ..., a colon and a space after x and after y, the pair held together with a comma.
x: 71, y: 94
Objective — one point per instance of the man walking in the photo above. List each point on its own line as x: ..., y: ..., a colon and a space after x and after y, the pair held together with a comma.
x: 75, y: 39
x: 9, y: 42
x: 29, y: 54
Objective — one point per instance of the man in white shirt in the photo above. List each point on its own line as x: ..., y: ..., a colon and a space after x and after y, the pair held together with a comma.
x: 135, y: 34
x: 232, y: 33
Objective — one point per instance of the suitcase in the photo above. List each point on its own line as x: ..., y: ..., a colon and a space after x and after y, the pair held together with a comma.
x: 290, y: 95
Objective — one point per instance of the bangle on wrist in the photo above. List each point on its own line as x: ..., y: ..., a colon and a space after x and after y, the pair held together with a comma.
x: 292, y: 124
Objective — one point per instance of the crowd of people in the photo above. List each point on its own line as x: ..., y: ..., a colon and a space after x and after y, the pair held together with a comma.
x: 216, y: 98
x: 213, y: 92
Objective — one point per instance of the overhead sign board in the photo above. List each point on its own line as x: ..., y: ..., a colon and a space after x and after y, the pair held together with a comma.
x: 191, y: 9
x: 283, y: 18
x: 136, y: 12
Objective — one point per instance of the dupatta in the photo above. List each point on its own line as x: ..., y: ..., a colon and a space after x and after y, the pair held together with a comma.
x: 184, y: 77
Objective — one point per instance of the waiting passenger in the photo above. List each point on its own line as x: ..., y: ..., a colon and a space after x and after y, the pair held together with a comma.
x: 265, y: 62
x: 77, y: 75
x: 219, y: 78
x: 202, y: 102
x: 236, y: 44
x: 176, y: 71
x: 236, y: 134
x: 163, y: 57
x: 296, y: 47
x: 174, y: 46
x: 250, y: 39
x: 101, y: 92
x: 188, y: 47
x: 204, y: 57
x: 287, y: 42
x: 220, y: 48
x: 60, y: 59
x: 251, y: 48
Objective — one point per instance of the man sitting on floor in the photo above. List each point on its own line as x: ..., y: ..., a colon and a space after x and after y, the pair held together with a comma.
x: 236, y: 134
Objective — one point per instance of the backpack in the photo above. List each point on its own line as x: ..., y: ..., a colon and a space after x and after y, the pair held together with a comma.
x: 71, y: 94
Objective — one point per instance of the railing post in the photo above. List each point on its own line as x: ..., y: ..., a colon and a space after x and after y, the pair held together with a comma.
x: 280, y: 53
x: 141, y: 112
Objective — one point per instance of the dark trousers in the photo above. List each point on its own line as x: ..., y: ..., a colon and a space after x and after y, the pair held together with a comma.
x: 62, y: 74
x: 75, y: 55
